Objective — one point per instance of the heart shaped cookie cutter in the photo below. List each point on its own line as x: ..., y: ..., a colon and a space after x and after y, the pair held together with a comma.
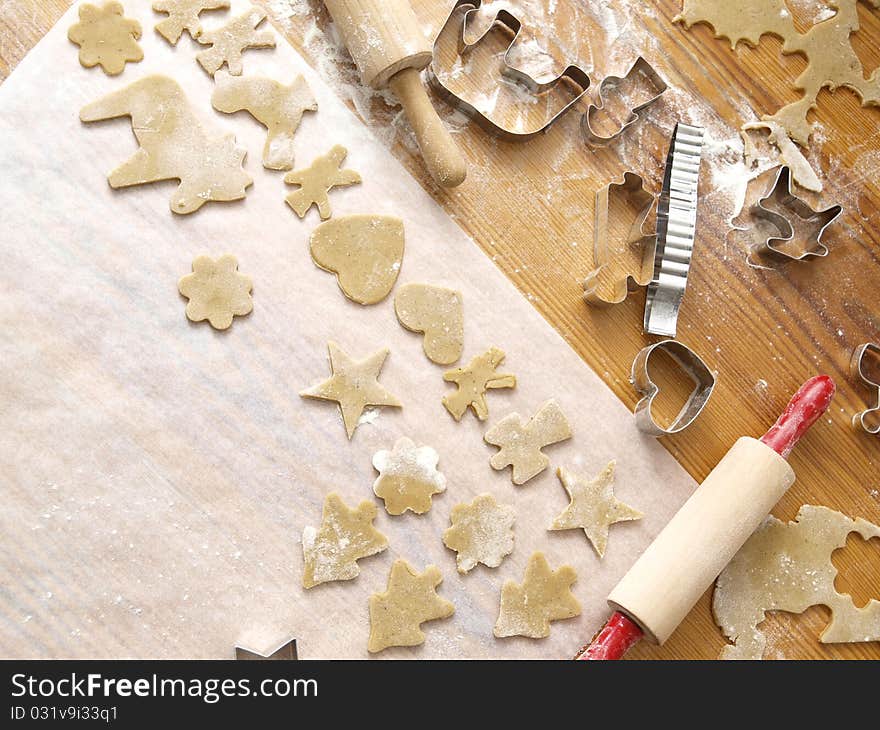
x: 692, y: 365
x: 859, y: 367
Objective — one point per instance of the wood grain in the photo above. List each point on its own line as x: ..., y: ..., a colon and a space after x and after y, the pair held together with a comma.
x: 763, y: 330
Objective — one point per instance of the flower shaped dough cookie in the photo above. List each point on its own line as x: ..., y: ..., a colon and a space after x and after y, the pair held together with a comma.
x: 481, y: 532
x: 216, y: 291
x: 106, y: 37
x: 408, y: 477
x: 411, y: 599
x: 544, y: 596
x: 345, y: 536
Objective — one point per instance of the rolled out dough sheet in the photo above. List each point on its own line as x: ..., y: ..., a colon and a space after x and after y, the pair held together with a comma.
x: 158, y: 474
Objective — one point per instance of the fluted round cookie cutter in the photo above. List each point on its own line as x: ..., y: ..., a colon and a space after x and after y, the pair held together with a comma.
x: 692, y: 365
x: 859, y: 370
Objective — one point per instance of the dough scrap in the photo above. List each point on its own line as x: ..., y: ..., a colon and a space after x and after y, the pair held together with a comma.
x: 786, y: 566
x: 593, y: 506
x: 183, y: 15
x: 831, y: 60
x: 473, y: 381
x: 345, y: 536
x: 520, y: 444
x: 409, y: 600
x: 106, y: 37
x: 173, y: 145
x: 408, y: 477
x: 317, y: 180
x: 229, y: 41
x: 544, y: 596
x: 354, y: 385
x: 438, y: 313
x: 277, y: 107
x: 216, y: 291
x: 481, y: 532
x: 364, y: 251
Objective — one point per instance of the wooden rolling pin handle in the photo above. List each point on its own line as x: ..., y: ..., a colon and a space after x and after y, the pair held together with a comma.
x: 442, y: 157
x: 802, y: 411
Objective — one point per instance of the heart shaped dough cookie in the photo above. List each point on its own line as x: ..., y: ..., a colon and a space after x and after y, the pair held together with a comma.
x: 438, y: 313
x: 364, y: 251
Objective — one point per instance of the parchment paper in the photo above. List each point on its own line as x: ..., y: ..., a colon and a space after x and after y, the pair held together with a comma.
x: 157, y: 475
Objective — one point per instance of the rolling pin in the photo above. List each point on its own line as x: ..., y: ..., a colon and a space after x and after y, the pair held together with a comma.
x: 700, y: 540
x: 389, y: 48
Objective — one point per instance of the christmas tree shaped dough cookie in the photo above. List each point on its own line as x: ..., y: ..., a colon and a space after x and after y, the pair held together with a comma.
x: 354, y: 385
x: 408, y: 477
x: 173, y: 145
x: 544, y: 596
x: 230, y: 41
x: 216, y: 291
x: 786, y: 566
x: 345, y: 536
x: 364, y: 251
x: 277, y: 107
x: 473, y: 381
x: 520, y: 444
x: 409, y: 600
x: 481, y: 532
x: 317, y: 180
x: 437, y: 312
x: 593, y: 506
x: 183, y: 15
x: 106, y: 37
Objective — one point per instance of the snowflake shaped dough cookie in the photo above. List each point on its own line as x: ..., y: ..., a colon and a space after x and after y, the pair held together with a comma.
x: 230, y: 41
x: 473, y: 380
x: 593, y: 506
x: 345, y: 536
x: 544, y: 596
x: 216, y: 291
x: 354, y: 385
x: 408, y: 477
x: 481, y: 532
x: 106, y: 37
x: 410, y: 599
x: 519, y: 444
x: 317, y: 180
x: 183, y: 15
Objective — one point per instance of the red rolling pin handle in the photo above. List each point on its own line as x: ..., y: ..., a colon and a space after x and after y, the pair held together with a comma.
x: 802, y: 411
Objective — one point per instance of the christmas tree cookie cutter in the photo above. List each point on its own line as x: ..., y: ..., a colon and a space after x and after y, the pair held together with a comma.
x: 572, y: 75
x: 676, y: 230
x: 780, y: 196
x: 869, y: 419
x: 692, y: 365
x: 609, y: 282
x: 654, y: 81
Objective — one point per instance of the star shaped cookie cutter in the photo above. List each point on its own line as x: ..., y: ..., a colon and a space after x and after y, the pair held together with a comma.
x: 285, y: 652
x: 692, y: 365
x: 859, y: 367
x: 780, y: 193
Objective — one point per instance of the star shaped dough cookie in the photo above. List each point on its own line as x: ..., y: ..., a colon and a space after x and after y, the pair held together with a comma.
x: 593, y: 506
x: 409, y: 600
x: 354, y: 385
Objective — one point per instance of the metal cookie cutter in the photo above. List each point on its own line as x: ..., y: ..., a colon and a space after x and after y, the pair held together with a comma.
x: 859, y: 368
x: 676, y: 228
x: 640, y: 68
x: 781, y: 195
x: 605, y: 258
x: 287, y: 651
x: 692, y: 365
x: 572, y: 74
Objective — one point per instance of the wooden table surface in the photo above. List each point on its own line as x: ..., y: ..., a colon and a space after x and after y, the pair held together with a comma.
x: 530, y: 207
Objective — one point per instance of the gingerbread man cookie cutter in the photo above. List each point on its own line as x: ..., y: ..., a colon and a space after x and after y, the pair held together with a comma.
x: 691, y: 365
x: 869, y: 419
x: 780, y: 193
x: 572, y: 75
